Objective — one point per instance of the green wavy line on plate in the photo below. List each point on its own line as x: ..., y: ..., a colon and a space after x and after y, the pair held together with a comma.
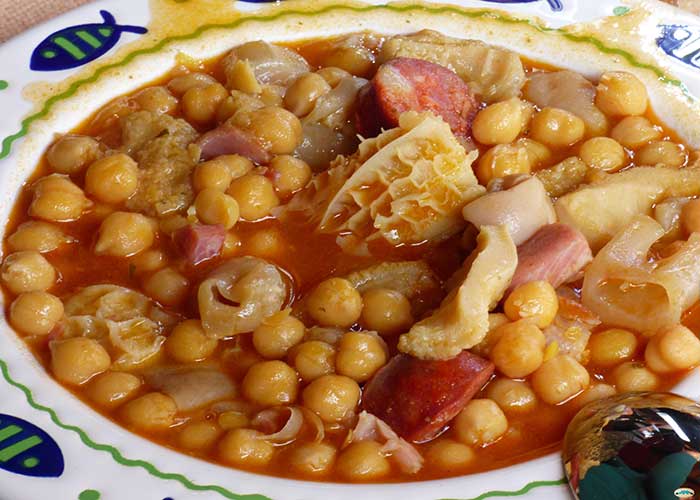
x: 116, y: 454
x: 73, y: 88
x: 3, y: 84
x: 474, y: 14
x: 522, y: 491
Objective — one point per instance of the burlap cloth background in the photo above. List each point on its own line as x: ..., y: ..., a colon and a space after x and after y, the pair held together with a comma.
x: 18, y: 15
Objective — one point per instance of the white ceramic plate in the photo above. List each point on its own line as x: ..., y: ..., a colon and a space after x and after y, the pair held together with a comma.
x: 66, y: 450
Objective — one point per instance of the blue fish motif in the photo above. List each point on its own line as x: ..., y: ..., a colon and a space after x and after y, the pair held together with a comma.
x: 555, y: 5
x: 681, y: 42
x: 25, y: 449
x: 77, y: 45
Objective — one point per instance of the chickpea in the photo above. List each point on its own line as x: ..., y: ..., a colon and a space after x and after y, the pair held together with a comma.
x: 512, y: 396
x: 151, y: 412
x: 188, y: 342
x: 332, y: 397
x: 244, y: 447
x: 181, y: 84
x: 480, y: 422
x: 27, y: 271
x: 661, y: 153
x: 199, y: 104
x: 536, y: 301
x: 112, y: 179
x: 360, y: 355
x: 72, y: 153
x: 232, y: 243
x: 215, y: 207
x: 496, y: 320
x: 302, y: 94
x: 621, y: 94
x: 363, y: 461
x: 289, y: 174
x: 270, y: 383
x: 276, y: 128
x: 233, y: 420
x: 520, y: 349
x: 538, y: 155
x: 266, y: 243
x: 499, y: 123
x: 332, y: 75
x: 313, y: 359
x: 255, y: 195
x: 690, y: 217
x: 672, y: 350
x: 198, y: 435
x: 634, y: 377
x: 335, y: 302
x: 612, y: 347
x: 603, y: 153
x: 559, y: 379
x: 167, y: 286
x: 76, y: 360
x: 557, y: 128
x: 38, y: 236
x: 171, y: 223
x: 123, y: 234
x: 57, y: 199
x: 240, y: 76
x: 594, y: 393
x: 358, y: 61
x: 220, y: 171
x: 110, y: 389
x: 634, y: 132
x: 277, y: 334
x: 386, y: 311
x: 449, y: 455
x: 156, y: 100
x: 36, y: 313
x: 313, y: 459
x: 502, y: 160
x: 149, y: 261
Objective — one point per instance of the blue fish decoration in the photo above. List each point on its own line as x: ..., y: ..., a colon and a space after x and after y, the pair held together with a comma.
x: 681, y: 42
x: 555, y: 5
x: 77, y: 45
x: 27, y: 450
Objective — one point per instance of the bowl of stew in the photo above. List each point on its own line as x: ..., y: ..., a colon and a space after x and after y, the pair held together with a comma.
x: 341, y: 250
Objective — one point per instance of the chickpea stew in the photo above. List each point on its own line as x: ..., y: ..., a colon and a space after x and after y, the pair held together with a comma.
x: 362, y: 258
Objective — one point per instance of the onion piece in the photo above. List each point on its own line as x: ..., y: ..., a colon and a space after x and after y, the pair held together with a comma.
x: 289, y: 431
x: 316, y: 422
x: 372, y: 428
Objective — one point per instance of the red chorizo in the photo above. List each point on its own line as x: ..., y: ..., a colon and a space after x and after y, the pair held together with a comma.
x: 405, y: 84
x: 417, y: 398
x: 555, y: 253
x: 199, y: 242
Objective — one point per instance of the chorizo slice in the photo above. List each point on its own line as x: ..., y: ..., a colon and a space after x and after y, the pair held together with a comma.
x: 405, y: 84
x: 199, y: 242
x: 555, y: 253
x: 417, y: 398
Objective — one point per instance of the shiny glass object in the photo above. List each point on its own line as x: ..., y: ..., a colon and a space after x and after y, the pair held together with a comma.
x: 637, y: 446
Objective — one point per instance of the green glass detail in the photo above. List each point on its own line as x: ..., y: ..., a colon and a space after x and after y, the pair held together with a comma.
x: 89, y: 495
x: 89, y: 39
x: 621, y: 10
x: 69, y: 47
x: 19, y: 447
x: 3, y: 84
x: 490, y: 15
x: 49, y: 54
x: 30, y: 462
